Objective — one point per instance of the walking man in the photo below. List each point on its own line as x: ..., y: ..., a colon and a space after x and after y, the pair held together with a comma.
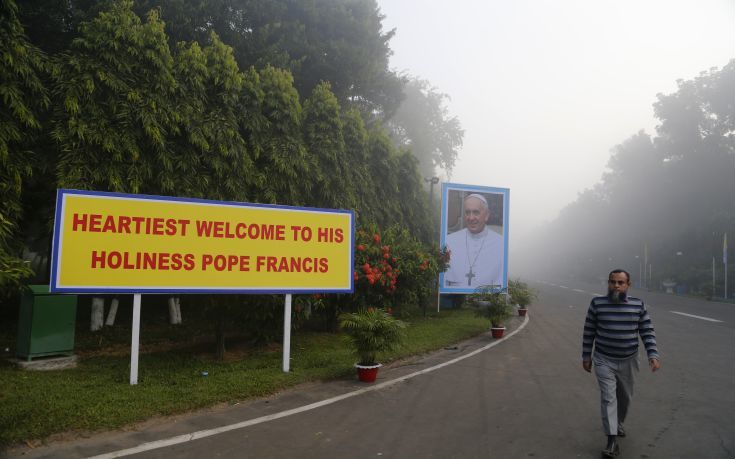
x: 610, y: 340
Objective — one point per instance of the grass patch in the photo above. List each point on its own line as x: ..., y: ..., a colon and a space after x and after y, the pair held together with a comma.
x: 97, y: 395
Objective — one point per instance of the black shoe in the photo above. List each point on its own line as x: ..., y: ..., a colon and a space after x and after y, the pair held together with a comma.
x: 611, y: 450
x: 621, y: 431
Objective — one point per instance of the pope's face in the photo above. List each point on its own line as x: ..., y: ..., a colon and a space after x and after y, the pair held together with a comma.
x: 475, y: 215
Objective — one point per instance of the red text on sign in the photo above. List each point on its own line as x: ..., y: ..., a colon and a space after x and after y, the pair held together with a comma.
x: 291, y: 264
x: 229, y: 230
x: 226, y: 262
x: 163, y: 261
x: 124, y: 224
x: 330, y: 235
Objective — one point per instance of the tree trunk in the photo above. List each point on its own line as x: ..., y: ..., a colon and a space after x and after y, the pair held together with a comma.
x: 178, y: 310
x: 98, y: 314
x: 112, y: 312
x: 221, y: 336
x: 174, y: 310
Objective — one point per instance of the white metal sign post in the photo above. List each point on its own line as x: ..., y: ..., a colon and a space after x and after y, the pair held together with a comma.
x: 135, y: 341
x: 287, y: 333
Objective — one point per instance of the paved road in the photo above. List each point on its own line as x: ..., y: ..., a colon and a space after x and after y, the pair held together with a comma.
x: 526, y: 396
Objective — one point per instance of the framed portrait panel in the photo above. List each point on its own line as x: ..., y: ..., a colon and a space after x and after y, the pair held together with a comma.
x: 474, y: 228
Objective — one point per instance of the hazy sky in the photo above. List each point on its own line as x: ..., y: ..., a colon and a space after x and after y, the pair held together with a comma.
x: 545, y: 89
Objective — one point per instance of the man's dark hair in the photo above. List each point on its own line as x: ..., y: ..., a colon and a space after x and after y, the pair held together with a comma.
x: 618, y: 271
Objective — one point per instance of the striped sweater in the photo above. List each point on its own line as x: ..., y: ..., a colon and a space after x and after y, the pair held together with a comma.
x: 613, y: 329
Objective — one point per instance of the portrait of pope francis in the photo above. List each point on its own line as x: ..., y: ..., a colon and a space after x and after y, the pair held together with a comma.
x: 477, y: 250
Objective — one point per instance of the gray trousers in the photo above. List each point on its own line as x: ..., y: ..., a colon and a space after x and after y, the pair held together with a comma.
x: 616, y: 378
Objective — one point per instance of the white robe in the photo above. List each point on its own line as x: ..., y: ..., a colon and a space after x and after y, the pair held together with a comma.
x: 483, y: 253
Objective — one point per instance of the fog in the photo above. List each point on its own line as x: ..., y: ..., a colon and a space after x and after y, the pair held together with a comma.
x: 544, y: 90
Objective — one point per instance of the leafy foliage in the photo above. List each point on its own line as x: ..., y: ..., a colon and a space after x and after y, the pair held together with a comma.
x: 668, y: 197
x: 491, y: 304
x: 131, y: 115
x: 355, y: 137
x: 382, y: 167
x: 212, y: 156
x: 113, y: 94
x: 418, y: 265
x: 339, y: 41
x: 393, y: 270
x: 23, y: 96
x: 371, y: 331
x: 422, y: 124
x: 376, y: 270
x: 324, y: 143
x: 521, y: 293
x: 271, y: 124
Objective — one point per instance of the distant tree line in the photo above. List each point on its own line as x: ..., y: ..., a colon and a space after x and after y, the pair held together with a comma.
x: 278, y: 101
x: 666, y: 199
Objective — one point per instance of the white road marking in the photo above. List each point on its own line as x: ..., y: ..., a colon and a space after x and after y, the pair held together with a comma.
x: 251, y: 422
x: 696, y: 317
x: 564, y: 286
x: 578, y: 290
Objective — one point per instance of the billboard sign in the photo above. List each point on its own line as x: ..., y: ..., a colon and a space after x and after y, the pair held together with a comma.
x: 132, y: 243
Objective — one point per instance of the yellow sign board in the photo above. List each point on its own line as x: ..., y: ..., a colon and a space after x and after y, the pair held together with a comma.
x: 124, y: 243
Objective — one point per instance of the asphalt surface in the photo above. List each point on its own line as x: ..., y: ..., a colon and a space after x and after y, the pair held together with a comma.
x: 524, y: 396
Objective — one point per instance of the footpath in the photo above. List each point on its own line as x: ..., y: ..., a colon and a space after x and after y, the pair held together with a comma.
x: 159, y: 433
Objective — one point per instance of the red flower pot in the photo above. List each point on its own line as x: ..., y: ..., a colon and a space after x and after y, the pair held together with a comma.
x: 522, y: 311
x: 497, y: 331
x: 367, y: 373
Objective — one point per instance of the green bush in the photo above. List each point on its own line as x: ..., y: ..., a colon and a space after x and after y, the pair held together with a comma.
x: 370, y: 332
x: 491, y: 304
x: 520, y: 293
x: 394, y: 268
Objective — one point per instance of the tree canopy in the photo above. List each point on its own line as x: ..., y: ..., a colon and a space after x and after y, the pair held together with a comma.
x: 24, y: 97
x: 272, y: 102
x: 664, y: 201
x: 422, y: 124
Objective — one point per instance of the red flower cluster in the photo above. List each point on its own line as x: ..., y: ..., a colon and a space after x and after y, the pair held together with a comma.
x: 381, y: 274
x: 375, y: 264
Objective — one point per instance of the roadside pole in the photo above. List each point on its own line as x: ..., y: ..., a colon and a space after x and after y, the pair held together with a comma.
x: 724, y: 261
x: 135, y: 341
x: 287, y: 333
x: 713, y: 277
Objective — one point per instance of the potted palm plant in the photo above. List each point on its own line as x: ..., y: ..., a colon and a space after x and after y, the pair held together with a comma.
x: 371, y: 331
x: 492, y: 303
x: 521, y: 294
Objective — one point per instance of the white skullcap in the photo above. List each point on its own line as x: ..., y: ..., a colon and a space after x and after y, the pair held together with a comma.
x: 478, y: 196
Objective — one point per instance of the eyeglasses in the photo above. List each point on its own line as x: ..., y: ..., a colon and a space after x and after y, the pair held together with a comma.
x: 616, y: 282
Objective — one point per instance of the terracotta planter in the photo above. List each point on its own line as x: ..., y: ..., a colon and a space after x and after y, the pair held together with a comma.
x: 522, y: 311
x: 497, y: 331
x: 367, y: 373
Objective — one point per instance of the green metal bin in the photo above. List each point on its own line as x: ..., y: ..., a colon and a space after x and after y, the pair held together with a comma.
x: 46, y: 323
